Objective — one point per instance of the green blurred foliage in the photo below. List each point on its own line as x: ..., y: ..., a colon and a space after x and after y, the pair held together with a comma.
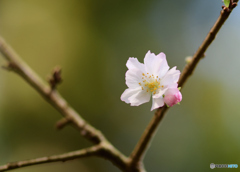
x: 91, y: 40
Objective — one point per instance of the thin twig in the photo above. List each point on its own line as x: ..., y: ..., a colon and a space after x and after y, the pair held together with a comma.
x: 141, y: 147
x: 54, y: 98
x: 104, y: 150
x: 103, y: 147
x: 56, y: 78
x: 62, y: 123
x: 94, y: 150
x: 189, y: 68
x: 138, y: 152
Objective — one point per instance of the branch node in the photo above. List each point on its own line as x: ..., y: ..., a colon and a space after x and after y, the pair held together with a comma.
x: 234, y: 4
x: 10, y: 67
x: 226, y: 9
x: 6, y: 68
x: 62, y: 123
x: 203, y: 55
x: 56, y: 78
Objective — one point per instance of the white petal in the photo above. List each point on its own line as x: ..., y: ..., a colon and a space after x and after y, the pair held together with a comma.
x: 133, y: 63
x: 160, y: 93
x: 156, y: 103
x: 128, y: 93
x: 140, y: 98
x: 156, y: 64
x: 171, y: 77
x: 175, y: 85
x: 133, y: 78
x: 163, y: 66
x: 172, y: 91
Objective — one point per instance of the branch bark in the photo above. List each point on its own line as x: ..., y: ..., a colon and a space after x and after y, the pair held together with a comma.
x: 141, y: 147
x: 102, y: 147
x: 52, y: 96
x: 95, y: 150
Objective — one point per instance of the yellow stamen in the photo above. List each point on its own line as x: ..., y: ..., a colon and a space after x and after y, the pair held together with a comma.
x: 150, y: 83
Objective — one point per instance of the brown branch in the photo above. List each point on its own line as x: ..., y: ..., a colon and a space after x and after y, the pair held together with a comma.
x: 94, y: 150
x: 141, y: 147
x: 103, y: 148
x: 18, y: 66
x: 51, y: 96
x: 56, y: 78
x: 189, y: 68
x: 62, y: 123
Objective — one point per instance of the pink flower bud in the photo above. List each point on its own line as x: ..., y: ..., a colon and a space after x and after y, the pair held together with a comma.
x: 172, y: 96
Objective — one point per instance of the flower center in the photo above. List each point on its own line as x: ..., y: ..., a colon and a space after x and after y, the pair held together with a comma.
x: 150, y: 83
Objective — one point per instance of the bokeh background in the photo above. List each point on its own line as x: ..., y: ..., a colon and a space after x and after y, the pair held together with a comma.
x: 92, y: 40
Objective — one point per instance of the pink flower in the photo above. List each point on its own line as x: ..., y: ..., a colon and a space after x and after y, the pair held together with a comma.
x: 149, y: 79
x: 172, y: 96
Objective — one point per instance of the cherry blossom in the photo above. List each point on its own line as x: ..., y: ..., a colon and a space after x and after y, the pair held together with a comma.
x: 153, y: 78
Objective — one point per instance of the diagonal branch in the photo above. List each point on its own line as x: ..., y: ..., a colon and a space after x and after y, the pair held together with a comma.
x: 18, y: 66
x: 91, y: 151
x: 189, y: 68
x: 103, y: 148
x: 141, y: 147
x: 50, y: 95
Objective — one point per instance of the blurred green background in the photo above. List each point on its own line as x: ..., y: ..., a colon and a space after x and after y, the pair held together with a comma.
x: 92, y: 40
